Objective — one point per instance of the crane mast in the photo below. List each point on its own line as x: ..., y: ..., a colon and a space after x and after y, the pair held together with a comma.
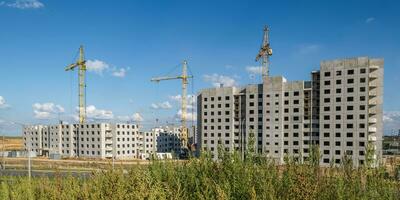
x: 264, y: 53
x: 81, y: 65
x: 184, y: 77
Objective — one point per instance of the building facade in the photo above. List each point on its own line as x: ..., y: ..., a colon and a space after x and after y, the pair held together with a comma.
x: 101, y: 140
x: 340, y: 110
x: 98, y: 140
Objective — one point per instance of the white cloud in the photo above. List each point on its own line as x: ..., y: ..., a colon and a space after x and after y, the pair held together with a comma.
x: 137, y: 117
x: 93, y: 113
x: 162, y: 105
x: 191, y: 99
x: 189, y: 116
x: 216, y: 80
x: 24, y: 4
x: 46, y: 110
x: 308, y: 49
x: 228, y: 66
x: 391, y: 121
x: 121, y: 72
x: 3, y: 103
x: 369, y: 20
x: 97, y: 66
x: 254, y: 69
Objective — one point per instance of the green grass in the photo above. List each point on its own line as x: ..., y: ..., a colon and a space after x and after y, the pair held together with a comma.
x: 202, y: 178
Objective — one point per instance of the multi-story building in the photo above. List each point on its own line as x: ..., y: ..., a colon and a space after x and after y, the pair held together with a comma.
x: 168, y: 139
x: 340, y: 110
x: 351, y: 97
x: 102, y: 140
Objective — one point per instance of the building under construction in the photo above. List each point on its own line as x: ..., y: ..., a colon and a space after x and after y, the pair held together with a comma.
x: 339, y: 109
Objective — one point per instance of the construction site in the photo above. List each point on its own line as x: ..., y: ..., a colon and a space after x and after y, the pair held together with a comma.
x: 122, y: 141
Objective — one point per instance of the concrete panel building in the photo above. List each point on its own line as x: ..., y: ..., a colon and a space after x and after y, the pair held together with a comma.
x: 98, y: 140
x: 340, y: 110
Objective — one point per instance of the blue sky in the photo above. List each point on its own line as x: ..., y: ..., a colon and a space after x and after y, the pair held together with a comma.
x: 128, y: 42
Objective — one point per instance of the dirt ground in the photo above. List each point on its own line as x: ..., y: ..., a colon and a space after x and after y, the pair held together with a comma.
x: 11, y: 143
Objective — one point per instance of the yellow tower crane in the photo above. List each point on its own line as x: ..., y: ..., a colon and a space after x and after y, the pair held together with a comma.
x: 81, y: 64
x: 264, y: 53
x: 184, y: 77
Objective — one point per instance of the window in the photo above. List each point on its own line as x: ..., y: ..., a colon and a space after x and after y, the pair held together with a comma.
x: 338, y: 82
x: 350, y: 99
x: 327, y: 108
x: 338, y: 108
x: 326, y: 134
x: 350, y: 72
x: 286, y: 94
x: 350, y: 90
x: 349, y: 117
x: 326, y: 117
x: 349, y: 135
x: 337, y: 134
x: 349, y: 126
x: 350, y: 81
x: 338, y: 91
x: 327, y: 83
x: 362, y: 80
x: 338, y: 99
x: 327, y: 91
x: 349, y: 144
x: 296, y: 93
x: 338, y: 73
x: 362, y: 71
x: 327, y: 74
x: 251, y: 96
x: 362, y: 89
x: 362, y: 98
x: 350, y: 108
x: 327, y: 100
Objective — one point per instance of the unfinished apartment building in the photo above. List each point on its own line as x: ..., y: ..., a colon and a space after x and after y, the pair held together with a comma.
x: 168, y: 139
x: 286, y: 118
x: 99, y: 140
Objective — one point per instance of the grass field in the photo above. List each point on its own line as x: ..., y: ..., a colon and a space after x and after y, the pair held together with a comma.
x: 203, y: 178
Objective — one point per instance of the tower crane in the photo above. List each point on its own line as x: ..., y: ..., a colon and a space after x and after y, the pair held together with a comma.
x: 264, y: 53
x: 184, y: 77
x: 81, y: 65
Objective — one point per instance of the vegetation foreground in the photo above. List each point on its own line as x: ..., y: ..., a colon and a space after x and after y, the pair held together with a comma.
x: 202, y: 178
